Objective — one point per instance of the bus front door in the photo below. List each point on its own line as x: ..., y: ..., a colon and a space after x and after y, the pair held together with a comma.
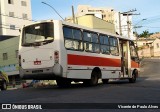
x: 124, y: 58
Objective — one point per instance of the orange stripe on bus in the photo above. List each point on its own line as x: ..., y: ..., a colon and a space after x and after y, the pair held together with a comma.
x: 134, y: 64
x: 92, y: 61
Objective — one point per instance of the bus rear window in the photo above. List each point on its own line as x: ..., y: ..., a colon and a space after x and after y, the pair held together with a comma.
x: 38, y: 34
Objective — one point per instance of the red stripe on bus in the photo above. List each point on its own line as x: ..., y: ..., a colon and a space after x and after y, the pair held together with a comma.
x: 92, y: 61
x: 134, y: 64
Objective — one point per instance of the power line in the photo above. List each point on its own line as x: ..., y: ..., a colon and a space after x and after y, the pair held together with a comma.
x: 150, y: 27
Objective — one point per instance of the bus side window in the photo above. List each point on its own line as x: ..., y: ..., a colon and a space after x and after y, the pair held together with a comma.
x: 73, y: 38
x: 104, y: 43
x: 95, y: 43
x: 88, y: 46
x: 87, y: 41
x: 91, y: 42
x: 114, y: 46
x: 69, y: 44
x: 134, y: 54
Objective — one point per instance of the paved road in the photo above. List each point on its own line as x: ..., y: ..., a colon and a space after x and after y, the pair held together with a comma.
x: 146, y: 90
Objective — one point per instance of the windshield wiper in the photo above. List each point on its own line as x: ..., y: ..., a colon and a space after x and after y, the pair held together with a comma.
x: 27, y: 44
x: 38, y: 43
x: 47, y: 41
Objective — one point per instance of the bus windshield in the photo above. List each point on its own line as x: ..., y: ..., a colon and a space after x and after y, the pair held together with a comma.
x: 38, y: 34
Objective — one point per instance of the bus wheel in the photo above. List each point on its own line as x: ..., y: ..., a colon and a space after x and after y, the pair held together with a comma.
x: 4, y: 86
x: 63, y: 82
x: 105, y: 81
x: 94, y: 80
x: 134, y: 76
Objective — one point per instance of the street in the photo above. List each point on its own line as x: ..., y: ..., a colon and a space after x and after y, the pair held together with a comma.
x: 145, y: 90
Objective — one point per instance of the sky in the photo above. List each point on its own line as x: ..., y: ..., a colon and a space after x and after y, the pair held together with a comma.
x: 149, y: 18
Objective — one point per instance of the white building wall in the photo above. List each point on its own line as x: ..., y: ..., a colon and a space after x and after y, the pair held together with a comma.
x: 18, y: 21
x: 156, y: 46
x: 124, y: 27
x: 87, y: 9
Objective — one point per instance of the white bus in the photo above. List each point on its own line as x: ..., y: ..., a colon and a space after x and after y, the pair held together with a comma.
x: 66, y: 52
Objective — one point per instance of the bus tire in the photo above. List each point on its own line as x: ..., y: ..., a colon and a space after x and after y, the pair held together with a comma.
x: 63, y: 82
x: 105, y: 81
x: 134, y: 76
x: 94, y: 78
x: 4, y: 86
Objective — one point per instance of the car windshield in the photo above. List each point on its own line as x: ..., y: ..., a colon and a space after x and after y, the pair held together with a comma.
x: 38, y: 34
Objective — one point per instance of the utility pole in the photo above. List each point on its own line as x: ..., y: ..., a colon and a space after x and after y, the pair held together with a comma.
x: 120, y: 29
x: 73, y: 16
x: 129, y: 13
x: 128, y: 26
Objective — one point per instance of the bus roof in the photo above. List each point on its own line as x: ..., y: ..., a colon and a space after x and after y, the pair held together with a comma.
x: 94, y: 30
x: 82, y: 27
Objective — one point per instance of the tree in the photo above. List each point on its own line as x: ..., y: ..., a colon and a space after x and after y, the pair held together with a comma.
x: 145, y: 34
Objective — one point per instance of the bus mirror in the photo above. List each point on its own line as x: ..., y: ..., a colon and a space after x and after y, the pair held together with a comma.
x: 20, y: 30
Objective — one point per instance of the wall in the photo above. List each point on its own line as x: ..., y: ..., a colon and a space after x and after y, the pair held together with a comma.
x: 144, y: 53
x: 142, y: 42
x: 96, y: 23
x: 111, y: 16
x: 156, y: 47
x: 152, y: 51
x: 9, y: 46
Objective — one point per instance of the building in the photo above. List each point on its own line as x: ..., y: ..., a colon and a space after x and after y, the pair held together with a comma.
x: 13, y: 15
x: 120, y: 21
x: 94, y: 22
x: 155, y: 48
x: 142, y: 42
x: 149, y: 47
x: 9, y: 56
x: 155, y: 35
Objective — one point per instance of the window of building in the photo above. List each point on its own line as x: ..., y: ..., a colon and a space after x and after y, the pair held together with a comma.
x: 113, y: 46
x: 11, y: 14
x: 23, y: 3
x: 5, y: 56
x: 104, y: 42
x: 12, y: 27
x: 24, y: 16
x: 10, y: 1
x: 73, y: 38
x: 91, y: 42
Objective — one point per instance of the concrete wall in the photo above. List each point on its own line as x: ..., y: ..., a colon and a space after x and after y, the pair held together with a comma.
x: 153, y: 51
x: 96, y: 23
x: 144, y: 53
x: 143, y: 42
x: 156, y: 47
x: 9, y: 46
x: 109, y: 15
